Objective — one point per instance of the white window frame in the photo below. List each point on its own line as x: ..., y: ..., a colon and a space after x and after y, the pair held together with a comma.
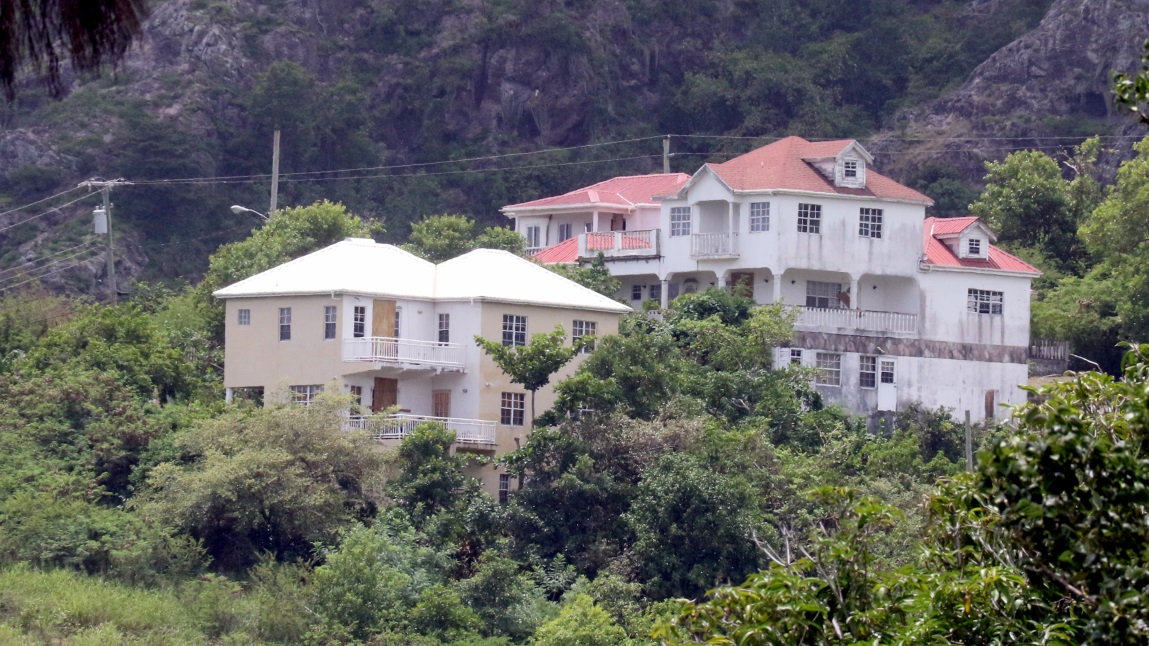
x: 533, y: 236
x: 985, y: 301
x: 868, y: 371
x: 655, y: 292
x: 514, y: 330
x: 398, y: 322
x: 810, y: 218
x: 504, y: 488
x: 359, y: 321
x: 829, y: 365
x: 580, y: 329
x: 513, y: 409
x: 680, y: 223
x: 850, y: 169
x: 973, y: 247
x: 566, y: 230
x: 759, y: 217
x: 306, y: 394
x: 285, y: 324
x: 870, y: 223
x: 243, y: 316
x: 818, y: 291
x: 636, y: 292
x: 444, y: 328
x: 795, y: 356
x: 329, y: 316
x: 886, y: 371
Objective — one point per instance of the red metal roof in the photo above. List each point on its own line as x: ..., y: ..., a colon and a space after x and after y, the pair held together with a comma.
x: 619, y: 191
x: 937, y: 253
x: 783, y: 165
x: 564, y: 252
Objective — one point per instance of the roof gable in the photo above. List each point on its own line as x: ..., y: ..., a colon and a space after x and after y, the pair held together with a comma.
x: 939, y: 254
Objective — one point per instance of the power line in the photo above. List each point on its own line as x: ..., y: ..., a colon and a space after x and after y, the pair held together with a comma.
x: 52, y: 197
x: 44, y: 275
x: 56, y: 263
x: 51, y: 210
x: 24, y: 267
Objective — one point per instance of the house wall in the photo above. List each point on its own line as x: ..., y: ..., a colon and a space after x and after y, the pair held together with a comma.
x: 944, y: 312
x: 254, y: 355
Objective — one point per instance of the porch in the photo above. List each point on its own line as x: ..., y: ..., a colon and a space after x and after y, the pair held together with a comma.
x: 829, y: 319
x: 404, y: 353
x: 398, y: 426
x: 714, y: 245
x: 618, y: 244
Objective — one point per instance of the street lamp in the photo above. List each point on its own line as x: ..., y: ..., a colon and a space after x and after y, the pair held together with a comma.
x: 240, y: 210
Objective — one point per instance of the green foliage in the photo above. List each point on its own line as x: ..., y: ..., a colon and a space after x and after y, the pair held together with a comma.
x: 430, y: 478
x: 580, y: 623
x: 1133, y: 91
x: 275, y: 479
x: 507, y: 600
x: 441, y: 237
x: 596, y: 276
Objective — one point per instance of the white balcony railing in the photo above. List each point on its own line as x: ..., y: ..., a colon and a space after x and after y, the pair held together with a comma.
x: 864, y: 320
x: 403, y: 352
x: 619, y: 244
x: 399, y: 426
x: 714, y: 245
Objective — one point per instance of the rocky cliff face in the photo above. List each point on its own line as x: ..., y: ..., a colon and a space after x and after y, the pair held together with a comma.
x: 1045, y: 90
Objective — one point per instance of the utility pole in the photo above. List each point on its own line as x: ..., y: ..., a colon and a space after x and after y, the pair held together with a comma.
x: 274, y: 173
x: 968, y: 443
x: 666, y: 154
x: 105, y: 188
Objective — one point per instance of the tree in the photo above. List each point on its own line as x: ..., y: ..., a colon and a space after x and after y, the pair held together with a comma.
x: 430, y: 478
x: 275, y: 479
x: 596, y: 276
x: 580, y: 623
x: 89, y: 32
x: 442, y: 237
x: 1133, y: 91
x: 533, y: 364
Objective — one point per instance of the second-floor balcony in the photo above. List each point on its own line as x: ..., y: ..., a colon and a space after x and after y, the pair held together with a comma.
x: 396, y: 427
x: 404, y: 353
x: 618, y: 244
x: 714, y: 245
x: 829, y: 319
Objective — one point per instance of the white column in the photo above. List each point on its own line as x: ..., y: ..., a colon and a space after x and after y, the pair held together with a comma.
x: 664, y: 301
x: 777, y: 288
x: 854, y: 292
x: 730, y: 218
x: 228, y: 394
x: 594, y: 222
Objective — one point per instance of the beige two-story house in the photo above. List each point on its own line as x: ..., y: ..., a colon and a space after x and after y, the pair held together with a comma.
x: 394, y: 330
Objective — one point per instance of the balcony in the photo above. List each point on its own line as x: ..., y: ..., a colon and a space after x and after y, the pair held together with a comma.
x: 404, y: 353
x: 618, y: 244
x: 835, y: 319
x: 396, y: 427
x: 714, y: 245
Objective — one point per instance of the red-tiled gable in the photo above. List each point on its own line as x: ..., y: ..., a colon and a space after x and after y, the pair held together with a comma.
x: 564, y: 252
x: 937, y: 253
x: 621, y: 191
x: 782, y: 165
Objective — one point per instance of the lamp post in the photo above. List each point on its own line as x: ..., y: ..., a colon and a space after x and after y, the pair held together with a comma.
x: 240, y: 210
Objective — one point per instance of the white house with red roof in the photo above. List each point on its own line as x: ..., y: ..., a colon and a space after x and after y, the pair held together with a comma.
x: 893, y: 307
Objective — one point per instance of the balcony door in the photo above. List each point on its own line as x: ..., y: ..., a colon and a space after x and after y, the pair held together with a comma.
x: 383, y: 326
x: 385, y: 394
x: 887, y: 386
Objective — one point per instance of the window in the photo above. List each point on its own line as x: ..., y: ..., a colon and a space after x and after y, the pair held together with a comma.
x: 975, y: 247
x: 850, y: 169
x: 356, y: 394
x: 514, y: 330
x: 759, y: 216
x: 534, y: 235
x: 809, y: 218
x: 513, y: 409
x: 636, y: 292
x: 504, y: 487
x: 328, y: 321
x: 579, y: 329
x: 444, y: 328
x: 359, y: 321
x: 398, y: 317
x: 795, y: 356
x: 820, y: 294
x: 887, y: 375
x: 870, y: 223
x: 868, y: 372
x: 679, y: 221
x: 565, y: 231
x: 984, y: 301
x: 829, y: 366
x: 245, y: 317
x: 305, y: 394
x: 285, y: 324
x: 656, y: 292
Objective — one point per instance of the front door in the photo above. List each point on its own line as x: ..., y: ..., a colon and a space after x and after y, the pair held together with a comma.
x: 385, y: 394
x: 887, y: 386
x: 441, y: 403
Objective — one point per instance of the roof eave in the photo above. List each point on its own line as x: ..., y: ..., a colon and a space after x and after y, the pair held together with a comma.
x: 981, y: 270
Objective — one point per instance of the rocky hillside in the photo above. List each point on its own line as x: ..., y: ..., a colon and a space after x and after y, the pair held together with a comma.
x: 394, y: 89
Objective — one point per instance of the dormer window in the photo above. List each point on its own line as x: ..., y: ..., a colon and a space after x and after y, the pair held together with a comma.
x: 850, y: 172
x: 850, y: 169
x: 974, y: 248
